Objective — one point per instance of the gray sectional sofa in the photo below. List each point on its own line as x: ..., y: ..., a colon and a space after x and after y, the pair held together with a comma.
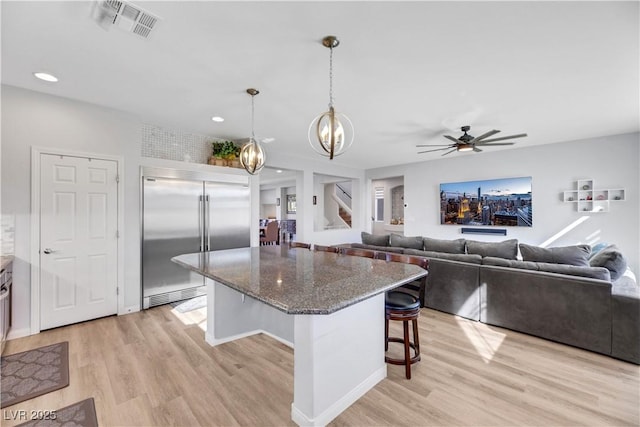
x: 571, y: 294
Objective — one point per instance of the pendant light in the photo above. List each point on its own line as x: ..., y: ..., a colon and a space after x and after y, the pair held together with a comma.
x: 331, y: 133
x: 252, y: 155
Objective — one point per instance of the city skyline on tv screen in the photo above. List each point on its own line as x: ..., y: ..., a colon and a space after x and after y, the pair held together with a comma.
x: 492, y: 202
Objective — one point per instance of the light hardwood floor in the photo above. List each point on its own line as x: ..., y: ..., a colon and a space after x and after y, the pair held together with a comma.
x: 154, y: 368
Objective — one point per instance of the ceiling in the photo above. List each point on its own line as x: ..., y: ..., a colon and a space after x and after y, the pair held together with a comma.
x: 405, y: 72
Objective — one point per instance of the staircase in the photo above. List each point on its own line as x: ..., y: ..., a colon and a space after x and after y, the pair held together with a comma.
x: 346, y: 216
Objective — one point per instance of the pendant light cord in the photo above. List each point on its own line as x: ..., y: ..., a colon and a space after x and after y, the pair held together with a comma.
x: 331, y: 77
x: 253, y: 135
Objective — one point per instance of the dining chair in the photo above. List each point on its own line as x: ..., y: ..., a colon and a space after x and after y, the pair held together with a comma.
x: 270, y: 234
x: 300, y: 245
x: 322, y: 248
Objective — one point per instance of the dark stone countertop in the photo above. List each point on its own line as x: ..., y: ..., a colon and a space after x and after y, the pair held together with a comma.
x: 300, y: 281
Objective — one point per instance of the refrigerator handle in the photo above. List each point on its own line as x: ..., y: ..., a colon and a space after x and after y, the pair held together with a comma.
x: 207, y: 218
x: 201, y: 221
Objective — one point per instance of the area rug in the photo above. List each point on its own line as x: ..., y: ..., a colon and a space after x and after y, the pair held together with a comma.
x: 81, y: 414
x: 33, y: 373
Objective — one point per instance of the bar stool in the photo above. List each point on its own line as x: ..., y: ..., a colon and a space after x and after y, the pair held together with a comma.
x: 300, y: 245
x: 323, y: 248
x: 403, y: 307
x: 367, y: 253
x: 416, y: 288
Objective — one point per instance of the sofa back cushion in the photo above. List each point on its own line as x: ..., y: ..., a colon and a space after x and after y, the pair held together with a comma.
x: 468, y: 258
x: 375, y: 239
x: 612, y: 259
x: 378, y: 248
x: 575, y: 270
x: 406, y: 241
x: 446, y: 246
x: 573, y: 255
x: 507, y: 249
x: 511, y: 263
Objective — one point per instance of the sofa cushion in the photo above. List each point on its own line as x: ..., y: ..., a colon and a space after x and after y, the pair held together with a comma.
x: 511, y: 263
x: 612, y: 259
x: 448, y: 246
x: 375, y: 239
x: 405, y: 241
x: 572, y: 255
x: 469, y: 258
x: 507, y: 249
x: 597, y: 248
x: 627, y: 286
x: 397, y: 250
x: 575, y: 270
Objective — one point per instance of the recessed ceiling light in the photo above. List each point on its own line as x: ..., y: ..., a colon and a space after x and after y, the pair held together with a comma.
x: 217, y: 119
x: 46, y: 77
x: 279, y: 171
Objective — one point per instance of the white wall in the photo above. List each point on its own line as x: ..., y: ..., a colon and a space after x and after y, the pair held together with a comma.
x: 268, y: 207
x: 611, y: 161
x: 34, y: 119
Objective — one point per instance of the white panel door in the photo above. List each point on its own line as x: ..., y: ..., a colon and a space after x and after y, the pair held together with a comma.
x: 78, y: 239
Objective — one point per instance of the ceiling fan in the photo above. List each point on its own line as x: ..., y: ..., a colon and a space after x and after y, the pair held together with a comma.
x: 471, y: 143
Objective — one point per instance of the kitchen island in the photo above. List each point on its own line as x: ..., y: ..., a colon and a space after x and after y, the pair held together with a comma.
x: 329, y: 308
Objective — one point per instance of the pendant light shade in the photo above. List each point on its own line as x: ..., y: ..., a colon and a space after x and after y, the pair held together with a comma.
x: 331, y: 133
x: 252, y: 155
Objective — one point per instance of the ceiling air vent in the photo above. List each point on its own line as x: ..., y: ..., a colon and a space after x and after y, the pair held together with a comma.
x: 127, y: 16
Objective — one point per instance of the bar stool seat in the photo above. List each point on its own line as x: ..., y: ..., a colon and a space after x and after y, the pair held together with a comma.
x: 403, y: 307
x: 401, y: 301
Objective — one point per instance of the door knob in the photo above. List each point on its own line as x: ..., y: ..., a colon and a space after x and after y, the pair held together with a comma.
x: 48, y: 251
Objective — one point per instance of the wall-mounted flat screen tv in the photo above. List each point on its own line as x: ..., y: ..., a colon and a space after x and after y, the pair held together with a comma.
x: 499, y: 202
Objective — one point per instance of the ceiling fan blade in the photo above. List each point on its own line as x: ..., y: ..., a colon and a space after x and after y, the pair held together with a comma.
x: 433, y: 145
x: 451, y: 138
x: 476, y: 149
x: 485, y: 144
x: 429, y: 151
x: 520, y: 135
x: 483, y: 136
x: 448, y: 152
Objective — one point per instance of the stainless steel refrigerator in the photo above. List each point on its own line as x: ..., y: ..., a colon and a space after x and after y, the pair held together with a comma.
x: 186, y: 212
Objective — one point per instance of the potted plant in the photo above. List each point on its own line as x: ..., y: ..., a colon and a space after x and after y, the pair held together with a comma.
x: 218, y: 154
x: 236, y: 160
x: 229, y: 150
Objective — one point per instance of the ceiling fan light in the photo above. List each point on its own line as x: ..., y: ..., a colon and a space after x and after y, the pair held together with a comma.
x: 465, y: 147
x: 252, y: 156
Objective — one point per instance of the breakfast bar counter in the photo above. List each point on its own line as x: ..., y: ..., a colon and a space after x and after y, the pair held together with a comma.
x: 328, y: 307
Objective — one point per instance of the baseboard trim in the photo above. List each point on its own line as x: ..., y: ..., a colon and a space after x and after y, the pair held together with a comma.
x: 277, y: 338
x: 343, y: 403
x: 212, y: 341
x: 18, y: 333
x: 129, y: 309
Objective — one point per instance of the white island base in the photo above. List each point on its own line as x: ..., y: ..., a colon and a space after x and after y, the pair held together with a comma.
x: 338, y: 357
